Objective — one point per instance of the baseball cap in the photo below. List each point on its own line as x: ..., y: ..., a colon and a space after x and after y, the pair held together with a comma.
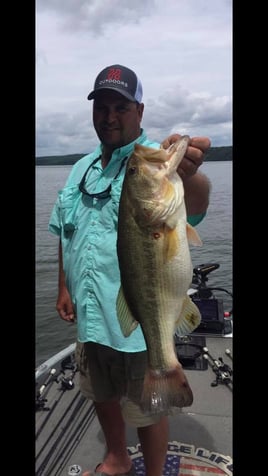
x: 121, y: 79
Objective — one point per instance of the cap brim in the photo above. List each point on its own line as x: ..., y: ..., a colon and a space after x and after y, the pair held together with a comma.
x: 94, y: 93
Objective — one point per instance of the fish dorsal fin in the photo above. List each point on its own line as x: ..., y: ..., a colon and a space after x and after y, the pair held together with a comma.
x: 189, y: 318
x: 126, y: 320
x: 193, y: 236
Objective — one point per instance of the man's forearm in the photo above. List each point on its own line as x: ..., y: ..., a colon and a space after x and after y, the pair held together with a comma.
x: 61, y: 275
x: 196, y: 193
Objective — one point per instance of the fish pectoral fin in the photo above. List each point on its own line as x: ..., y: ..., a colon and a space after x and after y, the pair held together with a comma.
x: 193, y: 236
x: 189, y: 318
x: 126, y: 320
x: 171, y: 244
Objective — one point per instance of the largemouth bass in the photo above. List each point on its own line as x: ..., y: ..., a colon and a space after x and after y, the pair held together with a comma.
x: 156, y: 269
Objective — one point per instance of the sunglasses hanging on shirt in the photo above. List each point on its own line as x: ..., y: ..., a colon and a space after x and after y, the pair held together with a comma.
x: 105, y: 193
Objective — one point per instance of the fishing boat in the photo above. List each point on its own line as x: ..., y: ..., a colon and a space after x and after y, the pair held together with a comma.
x: 69, y: 439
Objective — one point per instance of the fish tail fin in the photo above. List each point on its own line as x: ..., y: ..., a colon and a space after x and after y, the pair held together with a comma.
x: 165, y: 389
x: 189, y: 318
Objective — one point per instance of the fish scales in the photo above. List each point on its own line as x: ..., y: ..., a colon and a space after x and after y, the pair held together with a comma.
x: 156, y: 269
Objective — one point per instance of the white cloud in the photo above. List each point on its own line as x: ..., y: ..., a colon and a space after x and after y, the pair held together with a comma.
x: 181, y: 49
x: 95, y: 15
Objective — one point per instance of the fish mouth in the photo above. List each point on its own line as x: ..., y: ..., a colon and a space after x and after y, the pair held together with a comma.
x: 162, y: 161
x: 176, y: 152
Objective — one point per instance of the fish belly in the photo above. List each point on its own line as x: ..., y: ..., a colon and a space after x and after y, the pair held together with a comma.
x: 154, y: 288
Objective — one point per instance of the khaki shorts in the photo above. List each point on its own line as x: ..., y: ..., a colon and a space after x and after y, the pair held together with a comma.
x: 106, y: 374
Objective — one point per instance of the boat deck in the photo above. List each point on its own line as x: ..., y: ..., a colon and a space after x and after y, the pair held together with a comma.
x: 68, y: 432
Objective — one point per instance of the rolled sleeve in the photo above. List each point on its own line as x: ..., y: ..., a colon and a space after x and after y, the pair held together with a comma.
x: 54, y: 221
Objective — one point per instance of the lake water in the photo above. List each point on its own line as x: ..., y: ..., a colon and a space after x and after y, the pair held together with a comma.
x: 53, y: 334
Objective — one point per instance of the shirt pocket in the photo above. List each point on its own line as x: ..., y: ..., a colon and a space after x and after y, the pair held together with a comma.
x: 68, y: 199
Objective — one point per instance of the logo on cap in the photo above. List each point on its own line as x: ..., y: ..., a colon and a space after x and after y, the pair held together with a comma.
x: 114, y: 73
x: 120, y: 79
x: 113, y: 77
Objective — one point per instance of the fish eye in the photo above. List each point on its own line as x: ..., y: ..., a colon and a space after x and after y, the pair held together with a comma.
x: 132, y: 170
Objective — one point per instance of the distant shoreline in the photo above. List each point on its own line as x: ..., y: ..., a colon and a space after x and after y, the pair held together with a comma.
x: 214, y: 154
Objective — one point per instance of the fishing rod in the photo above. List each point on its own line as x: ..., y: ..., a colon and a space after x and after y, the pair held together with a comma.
x: 228, y: 352
x: 74, y: 438
x: 62, y: 432
x: 214, y: 361
x: 221, y: 369
x: 66, y: 384
x: 58, y: 424
x: 221, y: 376
x: 40, y: 399
x: 67, y: 363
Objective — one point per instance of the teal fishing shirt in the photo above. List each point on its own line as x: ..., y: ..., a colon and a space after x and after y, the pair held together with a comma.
x: 87, y: 227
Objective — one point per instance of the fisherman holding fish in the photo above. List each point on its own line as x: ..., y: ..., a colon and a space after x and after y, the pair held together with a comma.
x: 113, y: 343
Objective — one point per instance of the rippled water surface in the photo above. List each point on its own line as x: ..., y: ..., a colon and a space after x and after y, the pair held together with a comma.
x: 53, y: 334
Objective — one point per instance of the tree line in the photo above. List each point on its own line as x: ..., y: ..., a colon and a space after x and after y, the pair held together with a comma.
x: 213, y: 154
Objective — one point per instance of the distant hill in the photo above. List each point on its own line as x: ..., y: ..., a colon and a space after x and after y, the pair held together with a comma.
x: 213, y: 154
x: 58, y: 159
x: 219, y: 153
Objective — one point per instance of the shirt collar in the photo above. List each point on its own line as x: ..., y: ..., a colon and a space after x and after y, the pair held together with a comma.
x: 126, y: 150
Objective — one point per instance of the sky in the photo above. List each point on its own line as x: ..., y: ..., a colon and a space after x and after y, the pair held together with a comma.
x: 180, y: 49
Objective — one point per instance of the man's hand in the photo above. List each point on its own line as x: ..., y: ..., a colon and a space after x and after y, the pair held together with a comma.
x: 194, y: 155
x: 64, y: 305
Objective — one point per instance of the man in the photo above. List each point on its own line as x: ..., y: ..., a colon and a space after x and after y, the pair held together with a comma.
x: 85, y: 218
